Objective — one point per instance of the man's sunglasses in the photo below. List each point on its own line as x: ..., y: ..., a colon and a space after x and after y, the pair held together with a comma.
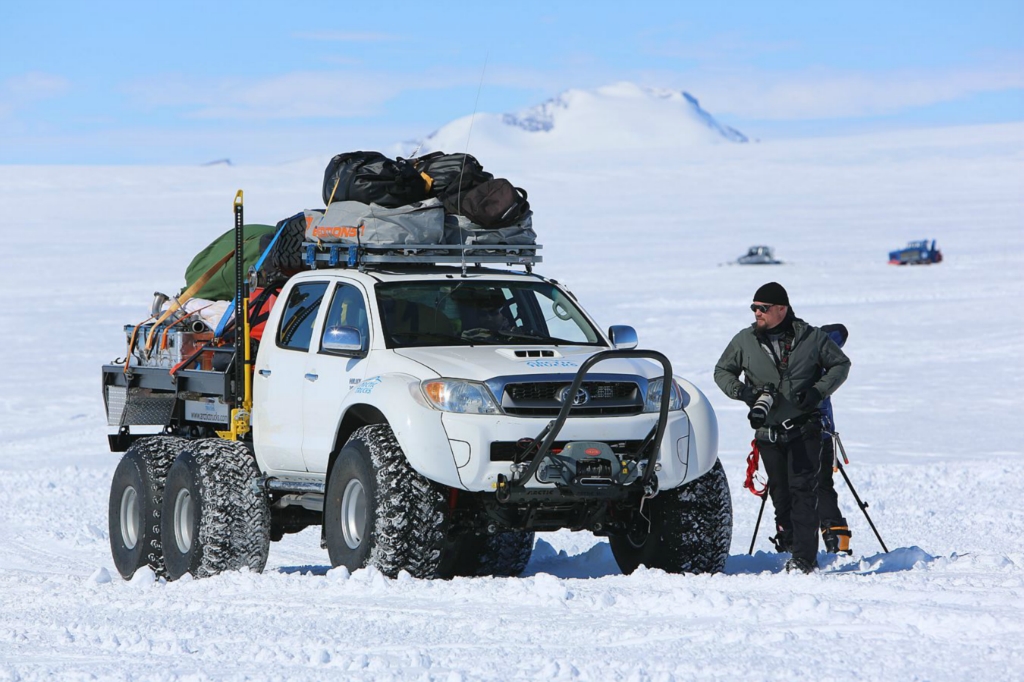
x: 761, y: 307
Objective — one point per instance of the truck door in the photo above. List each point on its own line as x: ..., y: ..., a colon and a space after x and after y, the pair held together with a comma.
x: 331, y: 374
x: 279, y: 378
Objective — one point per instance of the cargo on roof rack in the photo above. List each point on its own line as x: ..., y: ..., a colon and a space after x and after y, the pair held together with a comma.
x: 361, y: 255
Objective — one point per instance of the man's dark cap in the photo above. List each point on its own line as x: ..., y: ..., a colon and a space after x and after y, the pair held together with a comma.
x: 773, y: 293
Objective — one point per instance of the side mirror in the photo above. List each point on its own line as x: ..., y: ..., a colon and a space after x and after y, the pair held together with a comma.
x: 623, y: 336
x: 346, y: 340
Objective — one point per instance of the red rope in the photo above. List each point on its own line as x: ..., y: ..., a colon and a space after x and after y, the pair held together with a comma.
x: 753, y: 459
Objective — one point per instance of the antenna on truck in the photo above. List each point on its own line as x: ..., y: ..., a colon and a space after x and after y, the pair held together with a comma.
x: 462, y: 171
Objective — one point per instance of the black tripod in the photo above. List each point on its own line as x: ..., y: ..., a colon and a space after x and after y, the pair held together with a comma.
x: 863, y: 505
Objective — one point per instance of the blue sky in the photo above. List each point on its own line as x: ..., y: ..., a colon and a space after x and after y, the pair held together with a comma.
x: 259, y: 82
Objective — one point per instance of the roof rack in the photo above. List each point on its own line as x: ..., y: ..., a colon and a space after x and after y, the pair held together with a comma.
x: 359, y: 255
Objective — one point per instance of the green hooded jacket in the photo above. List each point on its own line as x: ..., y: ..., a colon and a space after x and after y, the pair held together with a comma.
x: 812, y: 353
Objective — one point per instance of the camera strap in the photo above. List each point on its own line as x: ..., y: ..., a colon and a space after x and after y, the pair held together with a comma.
x: 786, y: 346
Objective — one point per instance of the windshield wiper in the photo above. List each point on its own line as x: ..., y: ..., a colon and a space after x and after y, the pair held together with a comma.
x: 516, y: 334
x: 427, y: 335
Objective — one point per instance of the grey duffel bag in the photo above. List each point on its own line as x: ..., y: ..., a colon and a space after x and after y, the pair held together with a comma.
x: 353, y: 222
x: 460, y: 230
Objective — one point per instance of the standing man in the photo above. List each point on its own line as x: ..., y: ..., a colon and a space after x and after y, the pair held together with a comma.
x: 788, y: 368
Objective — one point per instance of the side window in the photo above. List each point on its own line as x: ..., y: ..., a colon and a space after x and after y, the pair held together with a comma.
x: 348, y: 309
x: 299, y: 315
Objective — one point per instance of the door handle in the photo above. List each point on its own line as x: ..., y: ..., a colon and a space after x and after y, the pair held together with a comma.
x: 312, y: 377
x: 264, y: 372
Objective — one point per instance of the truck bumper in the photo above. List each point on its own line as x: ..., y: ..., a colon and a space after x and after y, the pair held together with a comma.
x: 481, y: 444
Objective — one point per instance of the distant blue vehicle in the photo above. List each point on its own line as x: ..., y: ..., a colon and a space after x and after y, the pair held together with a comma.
x: 916, y: 253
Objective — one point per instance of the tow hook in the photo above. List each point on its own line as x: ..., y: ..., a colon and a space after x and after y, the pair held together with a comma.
x: 501, y: 490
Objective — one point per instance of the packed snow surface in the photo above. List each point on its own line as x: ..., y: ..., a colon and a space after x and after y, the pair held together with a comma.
x: 929, y: 417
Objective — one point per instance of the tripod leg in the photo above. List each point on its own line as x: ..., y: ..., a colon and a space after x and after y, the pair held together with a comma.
x: 764, y: 500
x: 863, y: 506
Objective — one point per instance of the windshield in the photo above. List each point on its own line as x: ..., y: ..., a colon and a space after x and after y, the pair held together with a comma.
x: 464, y: 313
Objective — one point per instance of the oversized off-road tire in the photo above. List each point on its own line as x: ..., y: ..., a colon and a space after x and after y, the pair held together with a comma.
x: 501, y: 555
x: 379, y: 512
x: 136, y: 497
x: 690, y: 529
x: 285, y: 258
x: 216, y: 518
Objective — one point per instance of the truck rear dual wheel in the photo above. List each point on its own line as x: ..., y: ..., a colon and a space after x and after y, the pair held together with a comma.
x: 136, y: 499
x: 216, y: 518
x: 378, y: 511
x: 687, y: 529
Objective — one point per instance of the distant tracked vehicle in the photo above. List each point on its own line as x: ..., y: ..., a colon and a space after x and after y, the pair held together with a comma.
x: 759, y: 255
x: 916, y: 253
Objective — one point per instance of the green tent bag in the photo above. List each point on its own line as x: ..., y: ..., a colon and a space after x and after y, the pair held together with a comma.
x: 221, y: 286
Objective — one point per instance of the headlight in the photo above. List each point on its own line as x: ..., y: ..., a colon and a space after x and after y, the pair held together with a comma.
x: 653, y: 402
x: 463, y: 397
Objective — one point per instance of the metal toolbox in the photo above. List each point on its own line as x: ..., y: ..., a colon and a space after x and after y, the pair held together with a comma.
x: 171, y: 345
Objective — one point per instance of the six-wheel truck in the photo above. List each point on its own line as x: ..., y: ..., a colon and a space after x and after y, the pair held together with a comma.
x: 429, y: 413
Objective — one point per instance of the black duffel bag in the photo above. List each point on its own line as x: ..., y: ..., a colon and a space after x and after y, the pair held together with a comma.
x: 495, y: 203
x: 451, y: 173
x: 372, y: 178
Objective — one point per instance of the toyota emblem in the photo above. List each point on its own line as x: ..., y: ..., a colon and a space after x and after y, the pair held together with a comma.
x: 582, y: 397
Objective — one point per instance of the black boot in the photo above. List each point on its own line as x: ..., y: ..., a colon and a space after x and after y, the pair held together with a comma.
x: 800, y: 565
x: 837, y: 537
x: 783, y: 539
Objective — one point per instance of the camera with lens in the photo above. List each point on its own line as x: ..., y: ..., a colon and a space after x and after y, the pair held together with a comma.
x: 759, y: 410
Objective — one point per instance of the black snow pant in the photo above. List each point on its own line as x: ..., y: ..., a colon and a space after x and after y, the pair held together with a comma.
x: 829, y: 513
x: 793, y: 468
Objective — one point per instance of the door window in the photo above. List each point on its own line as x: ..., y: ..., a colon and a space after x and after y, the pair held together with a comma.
x: 299, y: 315
x: 348, y: 309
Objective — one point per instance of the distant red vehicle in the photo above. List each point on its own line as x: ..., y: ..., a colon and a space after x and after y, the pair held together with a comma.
x: 916, y: 253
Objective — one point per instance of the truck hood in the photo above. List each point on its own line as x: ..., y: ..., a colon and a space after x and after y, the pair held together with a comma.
x: 480, y: 363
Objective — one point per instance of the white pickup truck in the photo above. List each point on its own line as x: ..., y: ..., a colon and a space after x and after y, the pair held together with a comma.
x: 430, y: 419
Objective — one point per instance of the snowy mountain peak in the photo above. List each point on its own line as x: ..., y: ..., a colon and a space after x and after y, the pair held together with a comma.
x: 617, y: 116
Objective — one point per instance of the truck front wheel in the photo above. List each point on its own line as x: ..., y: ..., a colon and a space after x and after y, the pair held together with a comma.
x: 216, y: 518
x: 136, y: 497
x: 502, y: 555
x: 687, y: 529
x: 379, y: 512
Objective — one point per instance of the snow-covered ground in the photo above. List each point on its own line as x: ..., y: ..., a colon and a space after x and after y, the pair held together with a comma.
x: 929, y: 417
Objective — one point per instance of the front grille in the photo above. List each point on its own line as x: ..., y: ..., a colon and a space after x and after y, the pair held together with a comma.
x: 587, y: 411
x: 505, y: 451
x: 548, y: 390
x: 541, y: 398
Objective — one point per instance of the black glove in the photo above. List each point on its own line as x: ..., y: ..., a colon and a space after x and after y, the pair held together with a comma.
x: 748, y: 395
x: 809, y: 399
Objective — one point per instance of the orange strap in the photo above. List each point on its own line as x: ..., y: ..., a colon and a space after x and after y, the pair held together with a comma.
x: 163, y: 337
x: 131, y: 343
x: 185, y: 296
